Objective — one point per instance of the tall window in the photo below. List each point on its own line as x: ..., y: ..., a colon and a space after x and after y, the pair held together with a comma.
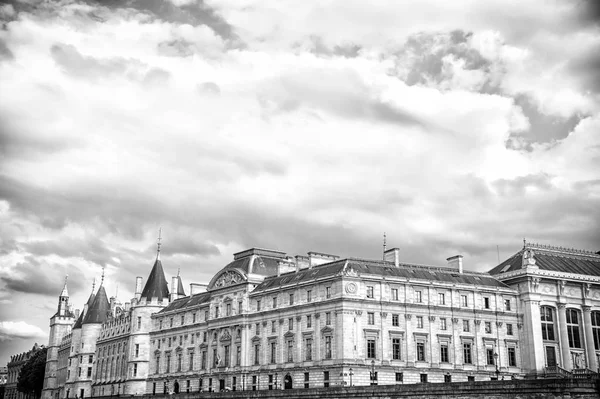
x: 214, y: 356
x: 203, y: 360
x: 396, y: 346
x: 274, y: 302
x: 371, y: 348
x: 488, y: 327
x: 442, y: 298
x: 596, y: 329
x: 273, y: 327
x: 370, y: 291
x: 273, y: 352
x: 419, y: 321
x: 182, y: 319
x: 308, y: 296
x: 464, y: 302
x: 227, y: 355
x: 216, y: 312
x: 512, y: 357
x: 486, y: 302
x: 467, y: 358
x: 191, y: 361
x: 168, y: 363
x: 157, y: 365
x: 327, y: 292
x: 547, y: 315
x: 291, y: 323
x: 257, y: 328
x: 573, y: 328
x: 258, y: 305
x: 509, y: 329
x: 290, y: 351
x: 394, y: 294
x: 444, y: 353
x: 328, y: 347
x: 309, y: 321
x: 327, y: 318
x: 395, y: 320
x: 466, y: 325
x: 238, y: 355
x: 420, y: 351
x: 179, y: 362
x: 489, y: 355
x: 308, y: 348
x: 443, y: 323
x: 418, y: 296
x: 291, y: 299
x: 507, y: 304
x: 137, y: 350
x: 370, y: 318
x: 228, y: 309
x: 256, y: 354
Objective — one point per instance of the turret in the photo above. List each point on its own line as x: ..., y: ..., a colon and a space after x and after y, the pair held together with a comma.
x: 63, y: 300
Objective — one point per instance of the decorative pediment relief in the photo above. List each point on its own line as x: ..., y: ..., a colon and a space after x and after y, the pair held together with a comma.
x: 226, y: 336
x: 255, y: 339
x: 326, y: 330
x: 289, y: 334
x: 228, y: 278
x: 178, y: 349
x: 157, y: 352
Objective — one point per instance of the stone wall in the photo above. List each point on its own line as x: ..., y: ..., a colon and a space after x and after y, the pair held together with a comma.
x: 521, y: 389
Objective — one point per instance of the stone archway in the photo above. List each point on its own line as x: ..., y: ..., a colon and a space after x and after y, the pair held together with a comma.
x: 288, y: 382
x: 176, y: 387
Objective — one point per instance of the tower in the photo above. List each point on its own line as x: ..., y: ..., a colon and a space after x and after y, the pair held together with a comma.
x: 60, y: 325
x: 151, y: 299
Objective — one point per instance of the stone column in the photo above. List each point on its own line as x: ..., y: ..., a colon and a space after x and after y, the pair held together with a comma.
x: 564, y: 337
x: 590, y: 351
x: 533, y: 348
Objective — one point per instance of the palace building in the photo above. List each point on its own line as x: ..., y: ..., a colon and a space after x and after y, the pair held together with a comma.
x: 271, y: 321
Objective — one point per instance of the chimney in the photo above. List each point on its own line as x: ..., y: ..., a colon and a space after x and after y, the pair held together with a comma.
x: 197, y: 288
x: 455, y: 262
x: 174, y: 282
x: 77, y: 313
x: 392, y: 255
x: 301, y: 262
x: 138, y: 288
x: 317, y: 258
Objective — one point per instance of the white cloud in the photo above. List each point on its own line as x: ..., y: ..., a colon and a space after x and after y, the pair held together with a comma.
x: 10, y: 330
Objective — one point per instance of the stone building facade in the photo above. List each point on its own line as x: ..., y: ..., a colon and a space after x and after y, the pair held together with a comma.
x: 269, y: 321
x: 559, y: 291
x: 13, y: 369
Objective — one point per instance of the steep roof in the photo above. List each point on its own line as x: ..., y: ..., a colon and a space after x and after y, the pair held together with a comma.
x: 180, y: 290
x: 557, y: 259
x: 384, y: 269
x: 187, y: 302
x: 88, y: 305
x: 65, y: 292
x: 156, y: 285
x: 100, y: 309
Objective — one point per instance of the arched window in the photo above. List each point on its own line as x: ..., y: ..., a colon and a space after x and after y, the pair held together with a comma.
x: 573, y: 328
x: 596, y: 329
x: 547, y: 314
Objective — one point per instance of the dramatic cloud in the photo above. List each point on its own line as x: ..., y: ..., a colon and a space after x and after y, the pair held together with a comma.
x: 232, y: 124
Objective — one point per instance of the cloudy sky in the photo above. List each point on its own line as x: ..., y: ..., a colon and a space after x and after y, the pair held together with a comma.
x: 455, y: 127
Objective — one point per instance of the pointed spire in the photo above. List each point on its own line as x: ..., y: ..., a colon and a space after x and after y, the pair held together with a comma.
x: 102, y: 278
x: 65, y: 292
x: 99, y: 310
x: 158, y: 243
x: 180, y: 290
x: 524, y: 242
x: 384, y: 244
x: 94, y: 285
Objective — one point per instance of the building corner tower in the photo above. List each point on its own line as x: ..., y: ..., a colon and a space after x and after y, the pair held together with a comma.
x: 60, y: 325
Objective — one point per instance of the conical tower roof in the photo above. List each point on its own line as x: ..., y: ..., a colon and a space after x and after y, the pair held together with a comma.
x: 99, y: 311
x: 88, y: 305
x: 65, y: 292
x: 180, y: 290
x: 156, y: 285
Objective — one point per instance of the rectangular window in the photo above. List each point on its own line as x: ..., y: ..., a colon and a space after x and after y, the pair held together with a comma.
x: 442, y: 298
x: 327, y: 292
x: 274, y: 302
x: 139, y: 322
x: 308, y: 348
x: 204, y: 336
x: 306, y: 380
x: 467, y: 358
x: 573, y: 328
x: 399, y: 377
x: 273, y: 326
x: 509, y: 329
x: 216, y: 312
x: 394, y: 294
x: 447, y: 378
x: 193, y: 317
x: 328, y: 347
x: 168, y: 363
x: 227, y: 354
x: 488, y: 327
x: 470, y: 378
x: 418, y: 296
x: 91, y: 358
x: 291, y: 324
x: 258, y: 305
x: 489, y: 356
x: 423, y: 378
x: 182, y: 320
x: 396, y: 346
x: 309, y: 321
x: 171, y: 322
x: 273, y: 352
x: 240, y: 307
x: 215, y: 360
x: 370, y: 318
x: 420, y: 351
x: 507, y: 304
x: 256, y: 354
x: 370, y: 291
x: 134, y: 370
x: 191, y: 361
x: 290, y: 351
x: 270, y: 382
x: 371, y: 348
x: 137, y: 350
x: 203, y: 360
x: 257, y: 328
x: 291, y: 299
x: 89, y: 372
x: 395, y: 320
x: 466, y: 326
x: 327, y: 318
x: 254, y: 382
x: 444, y: 353
x: 238, y: 356
x: 464, y: 302
x: 419, y: 321
x: 205, y: 315
x: 228, y: 309
x: 512, y: 357
x: 179, y: 362
x: 157, y: 369
x: 192, y: 339
x: 486, y: 302
x: 326, y: 379
x: 443, y: 325
x: 308, y: 296
x: 160, y: 324
x: 180, y: 340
